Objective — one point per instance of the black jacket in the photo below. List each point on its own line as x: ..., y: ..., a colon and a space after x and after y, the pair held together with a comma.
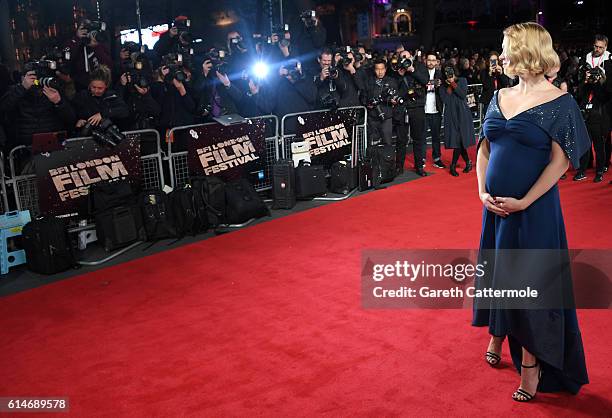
x: 281, y: 97
x: 206, y: 97
x: 176, y: 110
x: 348, y: 89
x: 374, y: 89
x: 110, y: 105
x: 594, y: 100
x: 144, y: 110
x: 31, y: 112
x: 413, y: 87
x: 489, y: 86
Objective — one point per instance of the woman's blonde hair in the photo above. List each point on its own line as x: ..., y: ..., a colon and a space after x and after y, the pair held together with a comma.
x: 529, y: 50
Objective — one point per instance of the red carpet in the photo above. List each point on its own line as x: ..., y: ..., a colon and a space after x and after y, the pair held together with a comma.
x: 268, y: 321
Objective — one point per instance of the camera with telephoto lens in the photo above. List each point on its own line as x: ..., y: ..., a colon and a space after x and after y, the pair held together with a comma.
x: 174, y: 63
x: 137, y: 76
x: 376, y: 104
x: 295, y: 71
x: 390, y: 95
x: 345, y: 59
x: 358, y: 56
x: 237, y: 43
x: 217, y: 59
x: 105, y: 133
x: 183, y: 31
x: 95, y: 30
x: 309, y: 17
x: 45, y: 74
x: 61, y: 58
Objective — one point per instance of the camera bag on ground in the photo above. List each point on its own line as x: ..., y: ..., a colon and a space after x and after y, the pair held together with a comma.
x: 157, y: 215
x: 116, y: 213
x: 310, y: 181
x: 344, y: 178
x: 383, y: 161
x: 188, y: 219
x: 209, y: 197
x: 366, y: 174
x: 283, y: 184
x: 47, y: 245
x: 243, y: 202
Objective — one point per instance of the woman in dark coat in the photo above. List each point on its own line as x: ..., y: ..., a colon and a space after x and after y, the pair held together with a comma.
x: 458, y: 123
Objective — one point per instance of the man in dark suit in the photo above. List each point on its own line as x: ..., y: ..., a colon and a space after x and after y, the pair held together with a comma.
x: 412, y: 79
x: 380, y: 124
x: 434, y: 106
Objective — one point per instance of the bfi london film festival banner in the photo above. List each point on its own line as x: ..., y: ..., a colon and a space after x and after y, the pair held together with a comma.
x: 64, y: 176
x: 228, y: 152
x: 329, y: 135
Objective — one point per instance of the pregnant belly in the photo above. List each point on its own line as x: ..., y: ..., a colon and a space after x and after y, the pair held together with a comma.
x: 513, y: 169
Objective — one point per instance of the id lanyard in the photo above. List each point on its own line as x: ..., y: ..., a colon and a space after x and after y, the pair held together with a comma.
x: 598, y: 61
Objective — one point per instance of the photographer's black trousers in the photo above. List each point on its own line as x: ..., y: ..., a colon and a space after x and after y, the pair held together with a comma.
x: 598, y: 134
x: 416, y: 122
x: 434, y: 122
x: 380, y: 129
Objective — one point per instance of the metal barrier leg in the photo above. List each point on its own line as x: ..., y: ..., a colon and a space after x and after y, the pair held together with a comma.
x: 110, y: 257
x: 336, y: 199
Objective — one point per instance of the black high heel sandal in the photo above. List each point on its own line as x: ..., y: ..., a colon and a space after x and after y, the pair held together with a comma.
x: 522, y: 392
x: 493, y: 359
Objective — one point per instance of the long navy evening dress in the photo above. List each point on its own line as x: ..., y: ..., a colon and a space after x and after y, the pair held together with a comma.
x: 520, y: 150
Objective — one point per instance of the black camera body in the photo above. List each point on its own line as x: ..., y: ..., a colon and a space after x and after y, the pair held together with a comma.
x: 45, y: 74
x: 589, y: 74
x: 174, y: 63
x: 217, y: 58
x: 386, y: 97
x: 295, y: 71
x: 62, y: 59
x: 449, y: 72
x: 105, y: 133
x: 309, y: 18
x: 183, y: 27
x: 95, y: 29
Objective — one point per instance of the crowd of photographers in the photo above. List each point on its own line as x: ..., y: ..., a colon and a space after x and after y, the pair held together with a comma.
x: 80, y: 89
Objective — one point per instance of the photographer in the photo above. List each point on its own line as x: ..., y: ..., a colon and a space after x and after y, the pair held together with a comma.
x: 215, y: 90
x: 325, y: 81
x: 98, y: 103
x: 410, y: 117
x: 347, y: 81
x: 238, y: 58
x: 434, y: 106
x: 458, y: 124
x: 134, y: 88
x: 593, y: 100
x: 176, y: 98
x: 493, y: 79
x: 175, y: 40
x: 376, y: 99
x: 309, y: 37
x: 290, y: 92
x: 33, y: 107
x: 88, y: 51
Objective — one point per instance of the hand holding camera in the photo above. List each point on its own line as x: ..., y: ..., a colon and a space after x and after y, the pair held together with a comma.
x: 52, y: 94
x: 95, y: 120
x: 179, y: 86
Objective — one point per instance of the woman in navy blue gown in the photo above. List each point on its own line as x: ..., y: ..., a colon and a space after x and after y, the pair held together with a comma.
x: 531, y: 132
